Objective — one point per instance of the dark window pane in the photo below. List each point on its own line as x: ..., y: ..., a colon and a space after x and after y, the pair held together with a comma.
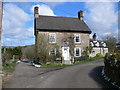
x: 77, y: 38
x: 77, y: 52
x: 52, y: 51
x: 52, y: 38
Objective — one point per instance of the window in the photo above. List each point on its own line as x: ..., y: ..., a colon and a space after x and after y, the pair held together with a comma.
x: 52, y: 38
x: 77, y: 52
x: 52, y: 51
x: 77, y: 38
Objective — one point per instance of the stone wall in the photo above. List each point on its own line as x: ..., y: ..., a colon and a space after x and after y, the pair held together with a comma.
x: 112, y: 70
x: 60, y: 37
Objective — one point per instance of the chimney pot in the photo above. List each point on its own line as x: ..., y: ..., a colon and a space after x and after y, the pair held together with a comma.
x: 80, y: 15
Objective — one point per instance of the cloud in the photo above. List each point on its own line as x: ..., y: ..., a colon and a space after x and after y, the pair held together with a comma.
x: 15, y: 26
x: 44, y: 10
x: 8, y: 39
x: 101, y: 17
x: 61, y: 0
x: 53, y: 4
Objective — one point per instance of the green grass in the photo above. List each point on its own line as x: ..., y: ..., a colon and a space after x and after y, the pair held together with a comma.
x: 80, y: 62
x: 9, y: 67
x: 55, y: 65
x: 88, y: 60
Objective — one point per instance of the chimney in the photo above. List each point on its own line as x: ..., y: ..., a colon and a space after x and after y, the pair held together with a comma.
x: 36, y: 14
x: 94, y: 37
x: 80, y: 15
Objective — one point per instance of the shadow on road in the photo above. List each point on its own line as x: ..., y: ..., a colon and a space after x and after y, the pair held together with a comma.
x: 95, y: 74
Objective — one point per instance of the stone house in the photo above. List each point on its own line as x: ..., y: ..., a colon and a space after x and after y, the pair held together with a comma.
x: 60, y: 38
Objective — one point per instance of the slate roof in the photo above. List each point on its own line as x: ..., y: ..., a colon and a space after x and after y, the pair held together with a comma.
x: 97, y: 43
x: 53, y: 23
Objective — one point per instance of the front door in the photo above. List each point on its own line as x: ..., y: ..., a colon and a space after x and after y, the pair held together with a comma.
x: 65, y: 53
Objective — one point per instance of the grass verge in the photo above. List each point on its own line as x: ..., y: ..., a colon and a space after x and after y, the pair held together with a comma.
x: 80, y: 62
x: 9, y: 67
x: 88, y: 60
x: 55, y: 65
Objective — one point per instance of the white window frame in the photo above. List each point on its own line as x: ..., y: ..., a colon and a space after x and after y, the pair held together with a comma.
x: 50, y: 51
x: 75, y: 51
x: 54, y: 34
x: 75, y: 35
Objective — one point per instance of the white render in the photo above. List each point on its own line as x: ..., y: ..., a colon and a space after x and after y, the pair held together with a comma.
x: 98, y: 47
x: 96, y: 50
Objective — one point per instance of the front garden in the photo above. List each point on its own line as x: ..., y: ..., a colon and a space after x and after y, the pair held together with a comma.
x: 9, y: 67
x: 89, y: 59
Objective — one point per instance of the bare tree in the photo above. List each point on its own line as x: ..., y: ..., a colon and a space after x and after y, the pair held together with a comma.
x: 29, y: 52
x: 42, y: 49
x: 72, y: 45
x: 110, y: 41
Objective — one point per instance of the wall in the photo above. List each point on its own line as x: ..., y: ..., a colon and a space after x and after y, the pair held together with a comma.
x: 112, y: 70
x: 97, y: 50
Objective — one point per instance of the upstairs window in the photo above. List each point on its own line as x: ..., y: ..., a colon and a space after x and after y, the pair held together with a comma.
x: 77, y: 52
x: 52, y: 38
x: 52, y: 51
x: 77, y: 38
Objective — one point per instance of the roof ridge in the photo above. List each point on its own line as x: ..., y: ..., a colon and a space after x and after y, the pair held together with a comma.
x: 58, y: 16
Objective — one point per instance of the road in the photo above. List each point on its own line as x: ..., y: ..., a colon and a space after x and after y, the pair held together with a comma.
x: 87, y: 75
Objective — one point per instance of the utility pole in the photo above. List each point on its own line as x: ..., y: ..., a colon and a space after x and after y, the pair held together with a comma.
x: 1, y: 16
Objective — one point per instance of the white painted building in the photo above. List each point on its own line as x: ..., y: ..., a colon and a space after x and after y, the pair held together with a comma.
x: 98, y: 46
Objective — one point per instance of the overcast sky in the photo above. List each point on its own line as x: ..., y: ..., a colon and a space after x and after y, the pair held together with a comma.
x: 101, y: 17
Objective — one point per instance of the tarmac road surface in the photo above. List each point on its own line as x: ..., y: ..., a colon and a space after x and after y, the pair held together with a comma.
x: 87, y: 75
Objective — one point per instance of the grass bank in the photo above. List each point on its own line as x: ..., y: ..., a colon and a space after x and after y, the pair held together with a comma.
x: 88, y: 60
x: 55, y: 65
x: 9, y: 67
x: 80, y: 62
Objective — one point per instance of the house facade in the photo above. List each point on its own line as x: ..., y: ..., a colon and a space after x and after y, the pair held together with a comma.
x: 60, y: 39
x: 98, y: 46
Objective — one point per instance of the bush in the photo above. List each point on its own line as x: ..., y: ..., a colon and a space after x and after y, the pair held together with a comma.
x: 37, y: 62
x: 117, y: 56
x: 9, y: 67
x: 99, y: 55
x: 81, y: 58
x: 112, y: 56
x: 112, y: 66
